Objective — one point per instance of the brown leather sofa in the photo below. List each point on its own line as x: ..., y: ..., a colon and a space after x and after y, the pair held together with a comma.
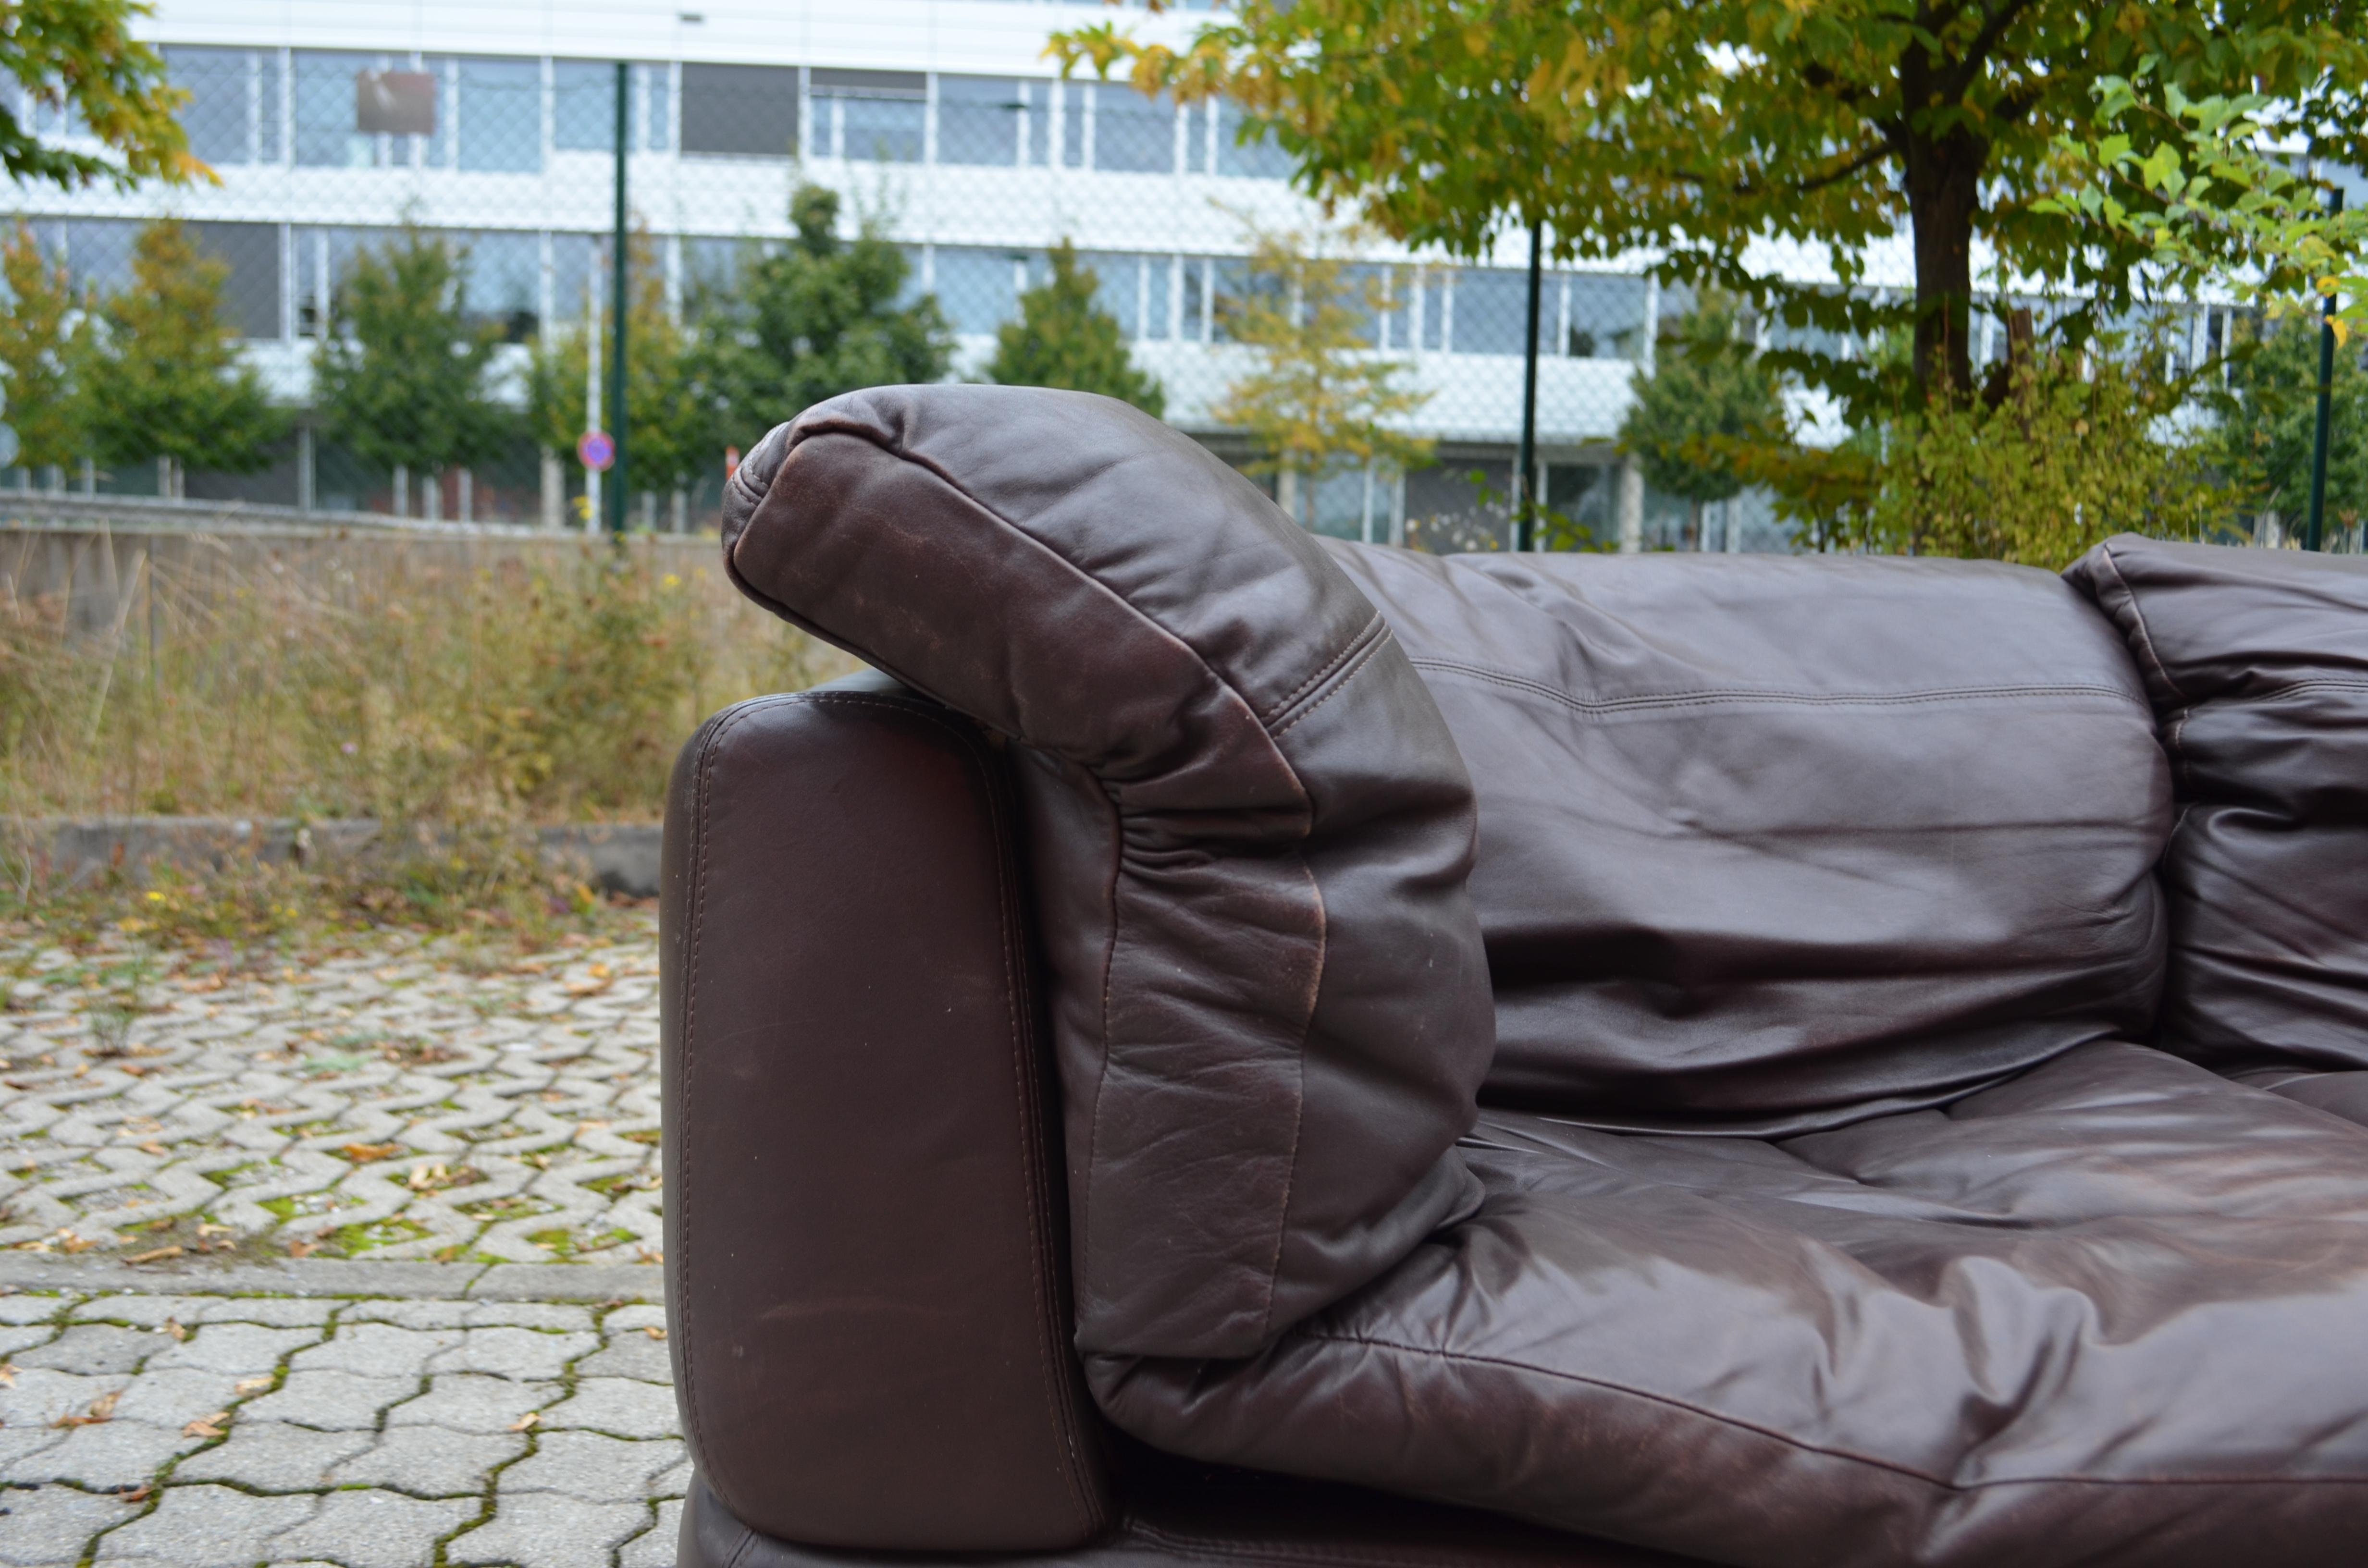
x: 1240, y: 1047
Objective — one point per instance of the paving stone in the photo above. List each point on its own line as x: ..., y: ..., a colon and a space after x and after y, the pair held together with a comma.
x: 106, y: 1454
x: 624, y: 1406
x: 410, y: 1314
x: 273, y: 1455
x: 244, y: 1349
x: 587, y: 1465
x: 376, y: 1349
x: 40, y: 1396
x: 46, y: 1526
x: 632, y: 1354
x: 331, y: 1401
x: 653, y: 1548
x: 532, y: 1315
x: 375, y: 1529
x: 636, y: 1316
x: 144, y: 1312
x: 206, y: 1526
x: 548, y: 1529
x: 23, y: 1337
x: 32, y: 1309
x: 16, y: 1442
x: 514, y: 1352
x: 397, y: 1059
x: 471, y: 1402
x: 434, y: 1462
x: 279, y: 1311
x: 95, y: 1347
x: 674, y: 1482
x: 177, y: 1397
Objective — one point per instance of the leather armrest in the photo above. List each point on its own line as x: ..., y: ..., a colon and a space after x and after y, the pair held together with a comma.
x: 864, y: 1263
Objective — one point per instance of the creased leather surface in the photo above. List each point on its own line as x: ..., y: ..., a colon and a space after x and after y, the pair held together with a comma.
x: 2257, y: 661
x: 1270, y: 999
x: 1771, y: 844
x: 2107, y: 1315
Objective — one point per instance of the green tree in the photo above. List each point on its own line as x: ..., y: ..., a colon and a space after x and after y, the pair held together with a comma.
x: 163, y: 378
x: 1710, y: 394
x: 812, y: 319
x: 1063, y: 339
x: 2065, y: 449
x: 2268, y: 419
x: 1320, y: 398
x: 44, y: 337
x: 670, y: 433
x: 1703, y: 131
x: 402, y: 377
x: 79, y: 63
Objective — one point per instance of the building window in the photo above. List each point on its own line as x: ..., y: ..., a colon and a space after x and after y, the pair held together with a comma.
x: 873, y: 116
x: 1133, y: 135
x: 326, y: 132
x: 982, y: 120
x: 499, y: 115
x: 978, y: 288
x: 750, y: 111
x: 583, y: 106
x: 1256, y: 159
x: 233, y: 114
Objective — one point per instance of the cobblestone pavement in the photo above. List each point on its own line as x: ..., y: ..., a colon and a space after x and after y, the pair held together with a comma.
x: 388, y: 1103
x: 223, y: 1430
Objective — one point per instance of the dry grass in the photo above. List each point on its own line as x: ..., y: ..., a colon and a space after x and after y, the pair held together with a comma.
x: 476, y: 686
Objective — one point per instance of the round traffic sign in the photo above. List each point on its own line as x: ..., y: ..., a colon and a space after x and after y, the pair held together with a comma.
x: 596, y: 449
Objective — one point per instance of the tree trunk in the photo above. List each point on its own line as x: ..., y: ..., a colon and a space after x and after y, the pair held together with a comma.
x: 1943, y: 178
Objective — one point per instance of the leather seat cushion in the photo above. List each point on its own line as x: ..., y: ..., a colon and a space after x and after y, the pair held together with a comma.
x: 2257, y: 663
x: 2108, y: 1313
x: 1768, y: 843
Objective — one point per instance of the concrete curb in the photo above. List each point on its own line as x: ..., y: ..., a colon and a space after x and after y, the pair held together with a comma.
x: 617, y: 857
x: 342, y: 1276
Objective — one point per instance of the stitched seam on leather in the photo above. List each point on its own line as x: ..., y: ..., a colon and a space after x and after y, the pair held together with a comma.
x: 1348, y: 678
x: 2145, y: 635
x: 1789, y: 1440
x: 1372, y: 630
x: 1299, y: 1119
x: 1802, y: 698
x: 692, y: 1416
x: 1049, y: 1356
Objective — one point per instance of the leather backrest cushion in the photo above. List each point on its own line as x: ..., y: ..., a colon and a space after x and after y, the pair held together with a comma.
x: 2257, y: 661
x: 1270, y: 1001
x: 1769, y: 844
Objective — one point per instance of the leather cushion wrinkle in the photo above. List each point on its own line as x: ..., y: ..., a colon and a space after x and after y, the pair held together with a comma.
x: 2257, y: 663
x: 2105, y: 1314
x: 1770, y: 845
x: 1270, y: 1005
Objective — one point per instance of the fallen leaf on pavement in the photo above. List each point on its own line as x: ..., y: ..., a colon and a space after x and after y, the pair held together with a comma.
x: 298, y: 1248
x: 363, y: 1153
x: 173, y: 1326
x: 7, y: 1374
x: 154, y: 1254
x: 248, y: 1385
x: 655, y: 1332
x: 102, y: 1409
x: 139, y: 1494
x: 206, y: 1426
x: 153, y: 1149
x: 523, y: 1422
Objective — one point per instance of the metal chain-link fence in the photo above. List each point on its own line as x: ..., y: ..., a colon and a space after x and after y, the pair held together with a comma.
x: 324, y: 155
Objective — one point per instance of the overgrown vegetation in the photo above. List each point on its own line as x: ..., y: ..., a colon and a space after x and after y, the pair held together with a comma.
x: 459, y: 692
